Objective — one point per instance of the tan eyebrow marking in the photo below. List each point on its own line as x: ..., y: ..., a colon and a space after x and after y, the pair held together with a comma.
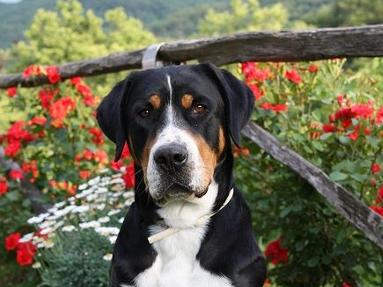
x: 155, y: 101
x: 187, y: 101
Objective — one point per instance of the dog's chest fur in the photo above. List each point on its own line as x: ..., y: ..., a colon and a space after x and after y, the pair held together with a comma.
x: 176, y: 263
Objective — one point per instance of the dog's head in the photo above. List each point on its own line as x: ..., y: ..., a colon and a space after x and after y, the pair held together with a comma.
x: 177, y: 121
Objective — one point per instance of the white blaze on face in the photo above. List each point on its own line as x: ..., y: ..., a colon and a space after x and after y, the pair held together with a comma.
x: 173, y: 133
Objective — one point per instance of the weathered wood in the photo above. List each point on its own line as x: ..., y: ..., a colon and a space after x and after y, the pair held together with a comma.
x: 365, y: 41
x: 344, y: 202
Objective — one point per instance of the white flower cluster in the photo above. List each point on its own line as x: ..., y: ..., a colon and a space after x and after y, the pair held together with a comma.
x: 100, y: 204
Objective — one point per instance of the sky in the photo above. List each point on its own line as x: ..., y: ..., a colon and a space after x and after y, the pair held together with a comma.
x: 10, y: 1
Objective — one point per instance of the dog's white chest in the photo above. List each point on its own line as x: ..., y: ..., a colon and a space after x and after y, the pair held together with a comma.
x: 176, y: 264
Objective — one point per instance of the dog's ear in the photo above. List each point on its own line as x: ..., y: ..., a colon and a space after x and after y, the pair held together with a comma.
x: 110, y: 115
x: 237, y: 97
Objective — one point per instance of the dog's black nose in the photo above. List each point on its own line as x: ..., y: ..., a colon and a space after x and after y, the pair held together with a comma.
x: 171, y: 156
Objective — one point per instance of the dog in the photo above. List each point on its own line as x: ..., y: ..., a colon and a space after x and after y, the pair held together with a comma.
x: 189, y: 225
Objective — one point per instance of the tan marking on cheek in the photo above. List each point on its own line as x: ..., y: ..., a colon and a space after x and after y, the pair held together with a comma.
x: 145, y: 157
x: 221, y: 141
x: 155, y: 101
x: 209, y: 159
x: 187, y: 101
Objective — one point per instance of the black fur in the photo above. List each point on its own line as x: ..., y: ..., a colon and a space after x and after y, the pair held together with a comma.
x: 229, y: 246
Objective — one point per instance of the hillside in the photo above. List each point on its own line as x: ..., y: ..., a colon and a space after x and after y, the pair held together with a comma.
x: 167, y: 18
x: 172, y: 18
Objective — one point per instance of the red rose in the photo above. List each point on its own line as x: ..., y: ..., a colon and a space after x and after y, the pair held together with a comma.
x: 46, y: 96
x: 12, y: 240
x: 380, y: 192
x: 329, y: 128
x: 16, y: 132
x: 125, y: 152
x: 98, y: 137
x: 279, y: 108
x: 377, y: 209
x: 31, y: 70
x: 345, y: 284
x: 25, y: 253
x: 379, y: 116
x: 116, y: 165
x: 89, y: 100
x: 53, y: 74
x: 11, y: 92
x: 38, y: 121
x: 346, y: 123
x: 3, y: 186
x: 84, y: 174
x: 87, y: 154
x: 267, y: 106
x: 344, y: 113
x: 30, y: 167
x: 75, y: 81
x: 276, y: 253
x: 12, y: 149
x: 252, y: 72
x: 354, y: 135
x: 375, y: 168
x: 59, y: 110
x: 258, y: 92
x: 362, y: 110
x: 16, y: 174
x: 312, y: 68
x: 100, y: 156
x: 83, y: 89
x: 293, y: 76
x: 129, y: 176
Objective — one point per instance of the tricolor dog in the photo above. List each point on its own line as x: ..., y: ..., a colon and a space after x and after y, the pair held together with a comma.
x: 189, y: 225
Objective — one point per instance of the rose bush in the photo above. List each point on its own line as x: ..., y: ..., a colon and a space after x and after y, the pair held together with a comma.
x: 333, y: 117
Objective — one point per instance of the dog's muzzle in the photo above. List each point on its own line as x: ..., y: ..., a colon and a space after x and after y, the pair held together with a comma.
x: 172, y: 164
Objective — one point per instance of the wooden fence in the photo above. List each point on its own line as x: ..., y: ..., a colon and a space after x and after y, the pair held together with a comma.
x: 366, y: 41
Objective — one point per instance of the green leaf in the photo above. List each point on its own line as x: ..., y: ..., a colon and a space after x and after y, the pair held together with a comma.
x: 338, y: 176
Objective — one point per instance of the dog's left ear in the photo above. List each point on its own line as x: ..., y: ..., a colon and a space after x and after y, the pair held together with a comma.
x: 110, y: 115
x: 237, y: 97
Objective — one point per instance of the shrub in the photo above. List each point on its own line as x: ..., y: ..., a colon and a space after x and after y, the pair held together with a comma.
x: 334, y: 119
x: 76, y: 260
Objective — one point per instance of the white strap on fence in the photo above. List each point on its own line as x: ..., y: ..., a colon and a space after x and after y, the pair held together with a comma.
x: 149, y: 58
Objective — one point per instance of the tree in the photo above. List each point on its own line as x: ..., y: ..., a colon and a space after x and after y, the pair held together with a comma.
x: 348, y: 13
x: 246, y: 15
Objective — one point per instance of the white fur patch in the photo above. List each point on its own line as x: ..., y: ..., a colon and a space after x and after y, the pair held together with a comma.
x: 176, y: 264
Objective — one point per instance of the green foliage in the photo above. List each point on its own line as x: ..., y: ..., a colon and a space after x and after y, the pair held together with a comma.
x: 11, y: 275
x: 72, y: 33
x: 163, y: 17
x: 76, y: 260
x: 324, y: 250
x: 245, y: 15
x: 347, y: 13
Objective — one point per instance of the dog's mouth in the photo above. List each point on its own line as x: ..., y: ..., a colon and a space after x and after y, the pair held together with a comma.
x: 178, y: 191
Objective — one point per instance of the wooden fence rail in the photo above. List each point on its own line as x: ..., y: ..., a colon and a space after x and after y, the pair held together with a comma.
x: 366, y: 41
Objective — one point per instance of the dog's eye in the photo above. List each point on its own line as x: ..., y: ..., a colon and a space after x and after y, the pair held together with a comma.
x: 198, y: 109
x: 144, y: 113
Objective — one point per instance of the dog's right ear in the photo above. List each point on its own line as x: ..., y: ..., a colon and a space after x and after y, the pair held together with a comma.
x: 110, y: 116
